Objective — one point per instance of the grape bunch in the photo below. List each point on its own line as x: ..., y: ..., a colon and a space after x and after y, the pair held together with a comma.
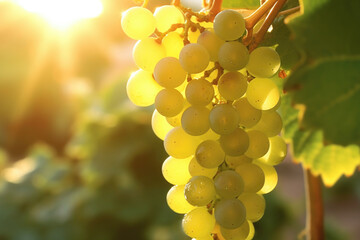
x: 215, y: 110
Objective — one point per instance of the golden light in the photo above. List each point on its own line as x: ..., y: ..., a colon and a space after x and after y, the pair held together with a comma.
x: 61, y: 14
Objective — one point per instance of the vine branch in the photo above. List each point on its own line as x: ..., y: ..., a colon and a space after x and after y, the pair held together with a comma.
x: 268, y: 21
x: 314, y: 206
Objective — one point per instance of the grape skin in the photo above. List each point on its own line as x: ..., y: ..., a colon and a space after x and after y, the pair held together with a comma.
x: 200, y: 190
x: 194, y: 58
x: 229, y: 25
x: 138, y: 22
x: 230, y: 213
x: 233, y: 56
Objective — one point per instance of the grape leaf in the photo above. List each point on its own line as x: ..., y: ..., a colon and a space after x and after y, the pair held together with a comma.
x: 328, y: 161
x: 250, y: 4
x: 326, y: 81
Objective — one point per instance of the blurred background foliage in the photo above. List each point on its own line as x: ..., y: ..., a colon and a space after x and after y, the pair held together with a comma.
x: 79, y: 161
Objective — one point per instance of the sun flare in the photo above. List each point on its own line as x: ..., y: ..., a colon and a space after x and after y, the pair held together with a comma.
x: 61, y: 14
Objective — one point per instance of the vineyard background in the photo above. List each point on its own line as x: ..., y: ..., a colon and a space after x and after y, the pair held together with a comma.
x: 79, y: 161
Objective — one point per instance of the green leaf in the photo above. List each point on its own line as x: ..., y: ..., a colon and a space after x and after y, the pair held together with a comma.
x: 326, y: 81
x: 329, y: 161
x: 250, y: 4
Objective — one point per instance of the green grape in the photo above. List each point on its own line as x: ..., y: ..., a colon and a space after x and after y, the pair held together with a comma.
x: 264, y: 62
x: 277, y: 151
x: 248, y: 115
x: 252, y: 175
x: 233, y: 56
x: 232, y: 85
x: 235, y: 143
x: 234, y: 161
x: 169, y: 73
x: 196, y: 169
x: 228, y: 184
x: 169, y: 102
x: 142, y: 89
x: 211, y: 42
x: 176, y: 171
x: 229, y: 25
x: 271, y: 177
x: 193, y: 35
x: 166, y: 16
x: 198, y: 222
x: 251, y: 232
x: 179, y: 144
x: 194, y: 58
x: 230, y: 213
x: 210, y: 135
x: 240, y: 233
x: 224, y: 119
x: 199, y: 92
x: 173, y: 43
x: 176, y: 120
x: 147, y: 52
x: 258, y: 144
x: 254, y: 205
x: 209, y: 154
x: 159, y: 125
x: 206, y: 237
x: 176, y: 200
x: 195, y: 120
x: 138, y: 23
x: 262, y: 93
x: 270, y: 123
x: 200, y: 191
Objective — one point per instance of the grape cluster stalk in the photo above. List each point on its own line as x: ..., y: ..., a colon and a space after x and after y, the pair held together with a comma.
x: 216, y: 111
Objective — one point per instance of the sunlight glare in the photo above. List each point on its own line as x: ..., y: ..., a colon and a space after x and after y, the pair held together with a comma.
x: 62, y: 14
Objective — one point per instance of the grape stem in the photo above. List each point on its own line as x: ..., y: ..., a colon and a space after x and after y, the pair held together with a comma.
x: 145, y: 3
x: 251, y: 20
x: 265, y: 26
x: 314, y: 206
x: 289, y: 11
x: 176, y: 3
x: 214, y: 9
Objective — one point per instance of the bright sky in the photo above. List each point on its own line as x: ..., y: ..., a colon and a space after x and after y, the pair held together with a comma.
x: 62, y: 14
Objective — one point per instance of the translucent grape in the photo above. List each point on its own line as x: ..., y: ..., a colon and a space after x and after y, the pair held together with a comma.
x: 262, y: 93
x: 159, y: 125
x: 277, y: 151
x: 232, y: 85
x: 248, y: 115
x: 142, y: 89
x: 173, y: 43
x: 211, y: 42
x: 200, y: 191
x: 176, y: 171
x: 194, y: 58
x: 234, y: 161
x: 209, y: 135
x: 254, y: 205
x: 195, y: 120
x: 240, y: 233
x: 258, y: 144
x: 199, y: 92
x: 198, y: 222
x: 230, y: 213
x: 147, y: 52
x: 264, y: 62
x: 229, y: 25
x: 176, y: 200
x: 252, y: 175
x: 169, y: 73
x: 209, y: 154
x: 271, y: 177
x: 196, y: 169
x: 233, y: 56
x: 224, y: 119
x: 179, y: 144
x: 235, y: 143
x: 176, y: 120
x: 228, y: 184
x: 166, y: 16
x: 206, y: 237
x: 169, y: 102
x: 138, y: 22
x: 270, y: 123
